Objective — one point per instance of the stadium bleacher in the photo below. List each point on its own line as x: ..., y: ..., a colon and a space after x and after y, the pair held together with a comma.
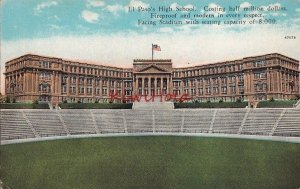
x: 260, y: 121
x: 289, y: 124
x: 197, y: 120
x: 78, y: 121
x: 45, y: 122
x: 14, y: 125
x: 109, y: 121
x: 168, y: 120
x: 20, y: 124
x: 228, y: 121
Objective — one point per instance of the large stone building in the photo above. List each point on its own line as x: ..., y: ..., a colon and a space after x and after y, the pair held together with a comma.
x: 32, y: 77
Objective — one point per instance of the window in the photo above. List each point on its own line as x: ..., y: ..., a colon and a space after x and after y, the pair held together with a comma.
x: 232, y: 89
x: 193, y: 83
x: 118, y: 83
x: 232, y: 79
x: 89, y: 81
x: 223, y: 79
x: 216, y: 90
x: 104, y: 92
x: 73, y: 79
x: 240, y: 66
x: 207, y: 90
x: 241, y: 78
x: 81, y: 90
x: 193, y: 91
x: 260, y: 63
x: 64, y: 89
x: 224, y: 90
x: 45, y: 64
x: 261, y: 75
x: 97, y: 91
x: 72, y: 90
x: 81, y: 80
x: 104, y: 83
x: 215, y: 81
x: 44, y: 87
x: 207, y: 81
x: 200, y: 91
x: 185, y: 83
x: 89, y: 90
x: 45, y: 75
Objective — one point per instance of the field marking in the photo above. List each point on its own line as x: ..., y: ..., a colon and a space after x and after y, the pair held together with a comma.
x: 209, y: 135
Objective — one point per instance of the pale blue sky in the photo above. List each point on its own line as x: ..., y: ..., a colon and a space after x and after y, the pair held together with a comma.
x: 23, y: 19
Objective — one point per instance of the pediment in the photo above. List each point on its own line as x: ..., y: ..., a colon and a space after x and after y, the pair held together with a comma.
x: 152, y: 69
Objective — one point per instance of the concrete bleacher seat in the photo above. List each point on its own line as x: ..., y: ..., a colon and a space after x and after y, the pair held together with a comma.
x: 14, y: 125
x: 168, y: 120
x: 78, y: 121
x: 197, y: 120
x: 261, y: 121
x: 45, y: 122
x: 18, y: 124
x: 289, y: 125
x: 109, y: 121
x: 228, y: 120
x: 139, y: 121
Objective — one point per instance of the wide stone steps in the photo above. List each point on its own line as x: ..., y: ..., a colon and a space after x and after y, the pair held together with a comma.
x: 18, y: 124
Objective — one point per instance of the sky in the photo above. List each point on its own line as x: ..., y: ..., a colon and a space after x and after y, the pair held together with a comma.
x: 105, y: 32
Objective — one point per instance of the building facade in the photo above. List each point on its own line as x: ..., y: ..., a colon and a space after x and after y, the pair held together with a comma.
x: 33, y: 77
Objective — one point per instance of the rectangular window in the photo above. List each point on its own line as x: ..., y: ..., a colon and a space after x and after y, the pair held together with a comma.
x: 200, y: 91
x: 207, y: 90
x: 224, y: 90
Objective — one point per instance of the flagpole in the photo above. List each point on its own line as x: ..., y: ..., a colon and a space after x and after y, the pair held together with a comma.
x: 152, y: 52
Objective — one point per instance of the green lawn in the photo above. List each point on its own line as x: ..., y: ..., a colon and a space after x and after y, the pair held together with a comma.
x: 151, y: 162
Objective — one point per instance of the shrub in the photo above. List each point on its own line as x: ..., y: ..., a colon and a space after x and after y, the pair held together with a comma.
x: 271, y: 99
x: 96, y: 101
x: 7, y: 99
x: 23, y: 106
x: 220, y: 101
x: 65, y: 101
x: 95, y: 106
x: 239, y: 100
x: 211, y: 105
x: 35, y: 102
x: 276, y: 104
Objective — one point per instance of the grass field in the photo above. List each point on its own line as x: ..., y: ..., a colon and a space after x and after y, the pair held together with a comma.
x: 151, y: 162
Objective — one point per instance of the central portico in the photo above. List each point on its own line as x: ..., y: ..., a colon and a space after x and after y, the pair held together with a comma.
x: 152, y: 77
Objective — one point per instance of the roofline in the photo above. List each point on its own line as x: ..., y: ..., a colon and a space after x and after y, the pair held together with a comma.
x: 150, y: 60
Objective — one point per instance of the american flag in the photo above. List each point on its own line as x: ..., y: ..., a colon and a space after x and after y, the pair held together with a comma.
x: 156, y: 48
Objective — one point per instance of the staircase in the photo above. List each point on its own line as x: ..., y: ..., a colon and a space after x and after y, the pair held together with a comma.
x: 297, y: 105
x: 153, y: 106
